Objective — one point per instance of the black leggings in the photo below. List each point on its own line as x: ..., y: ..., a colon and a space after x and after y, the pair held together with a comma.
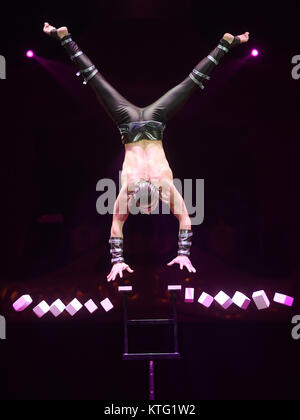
x: 121, y: 110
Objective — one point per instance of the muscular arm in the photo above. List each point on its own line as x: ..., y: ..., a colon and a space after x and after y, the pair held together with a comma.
x: 116, y: 235
x: 120, y: 213
x: 171, y: 196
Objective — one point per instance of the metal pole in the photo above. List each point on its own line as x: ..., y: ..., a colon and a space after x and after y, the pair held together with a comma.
x: 151, y: 380
x: 175, y: 322
x: 125, y: 323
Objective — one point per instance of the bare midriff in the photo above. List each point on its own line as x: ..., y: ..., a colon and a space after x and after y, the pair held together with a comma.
x: 146, y: 160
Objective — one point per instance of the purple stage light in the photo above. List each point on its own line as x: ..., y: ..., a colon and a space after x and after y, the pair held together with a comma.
x: 29, y: 54
x: 254, y: 52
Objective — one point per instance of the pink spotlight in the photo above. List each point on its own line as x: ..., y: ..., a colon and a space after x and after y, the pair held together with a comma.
x: 254, y: 52
x: 30, y: 54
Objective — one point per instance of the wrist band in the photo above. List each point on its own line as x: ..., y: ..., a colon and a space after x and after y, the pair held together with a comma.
x: 66, y: 39
x: 223, y: 48
x: 116, y: 250
x: 184, y: 241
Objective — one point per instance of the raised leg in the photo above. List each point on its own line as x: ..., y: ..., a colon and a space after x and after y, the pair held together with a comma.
x: 117, y: 107
x: 172, y: 101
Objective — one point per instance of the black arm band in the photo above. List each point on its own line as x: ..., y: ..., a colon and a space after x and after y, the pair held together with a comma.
x: 116, y: 250
x: 201, y: 72
x: 184, y: 241
x: 84, y: 65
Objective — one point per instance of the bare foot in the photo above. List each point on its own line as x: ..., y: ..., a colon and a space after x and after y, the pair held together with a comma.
x: 61, y: 32
x: 229, y: 38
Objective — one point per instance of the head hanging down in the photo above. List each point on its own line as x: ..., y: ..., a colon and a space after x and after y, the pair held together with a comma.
x: 144, y: 196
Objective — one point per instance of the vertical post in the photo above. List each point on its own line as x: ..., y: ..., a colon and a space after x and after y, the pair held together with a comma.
x: 125, y: 323
x: 175, y: 322
x: 151, y: 380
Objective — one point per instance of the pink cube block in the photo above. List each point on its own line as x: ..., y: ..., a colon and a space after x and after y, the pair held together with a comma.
x: 125, y: 288
x: 41, y: 309
x: 223, y: 299
x: 189, y: 295
x: 57, y: 307
x: 283, y: 299
x: 174, y: 287
x: 73, y: 307
x: 241, y: 300
x: 261, y: 300
x: 22, y: 303
x: 91, y: 306
x: 205, y: 299
x: 106, y: 304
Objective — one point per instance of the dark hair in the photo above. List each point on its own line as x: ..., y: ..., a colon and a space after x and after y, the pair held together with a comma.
x: 146, y: 196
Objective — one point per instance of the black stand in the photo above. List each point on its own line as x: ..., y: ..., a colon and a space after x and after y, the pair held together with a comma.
x: 151, y: 356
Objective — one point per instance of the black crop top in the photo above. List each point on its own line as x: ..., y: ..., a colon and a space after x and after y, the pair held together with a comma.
x: 141, y: 130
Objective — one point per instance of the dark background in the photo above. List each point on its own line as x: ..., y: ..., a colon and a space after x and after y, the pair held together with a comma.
x: 241, y: 135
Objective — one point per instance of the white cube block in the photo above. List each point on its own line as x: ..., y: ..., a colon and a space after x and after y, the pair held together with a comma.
x: 283, y: 299
x: 189, y: 295
x: 261, y: 300
x: 73, y: 307
x: 22, y: 303
x: 125, y: 288
x: 91, y: 306
x: 205, y: 299
x: 223, y: 299
x: 106, y: 304
x: 174, y: 287
x: 57, y: 307
x: 41, y: 309
x: 241, y: 300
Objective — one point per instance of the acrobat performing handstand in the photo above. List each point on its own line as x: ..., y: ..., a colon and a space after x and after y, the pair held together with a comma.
x: 146, y: 175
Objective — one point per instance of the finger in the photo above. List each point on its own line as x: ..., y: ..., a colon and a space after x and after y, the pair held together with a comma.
x: 171, y: 262
x: 121, y: 274
x: 129, y: 269
x: 181, y: 266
